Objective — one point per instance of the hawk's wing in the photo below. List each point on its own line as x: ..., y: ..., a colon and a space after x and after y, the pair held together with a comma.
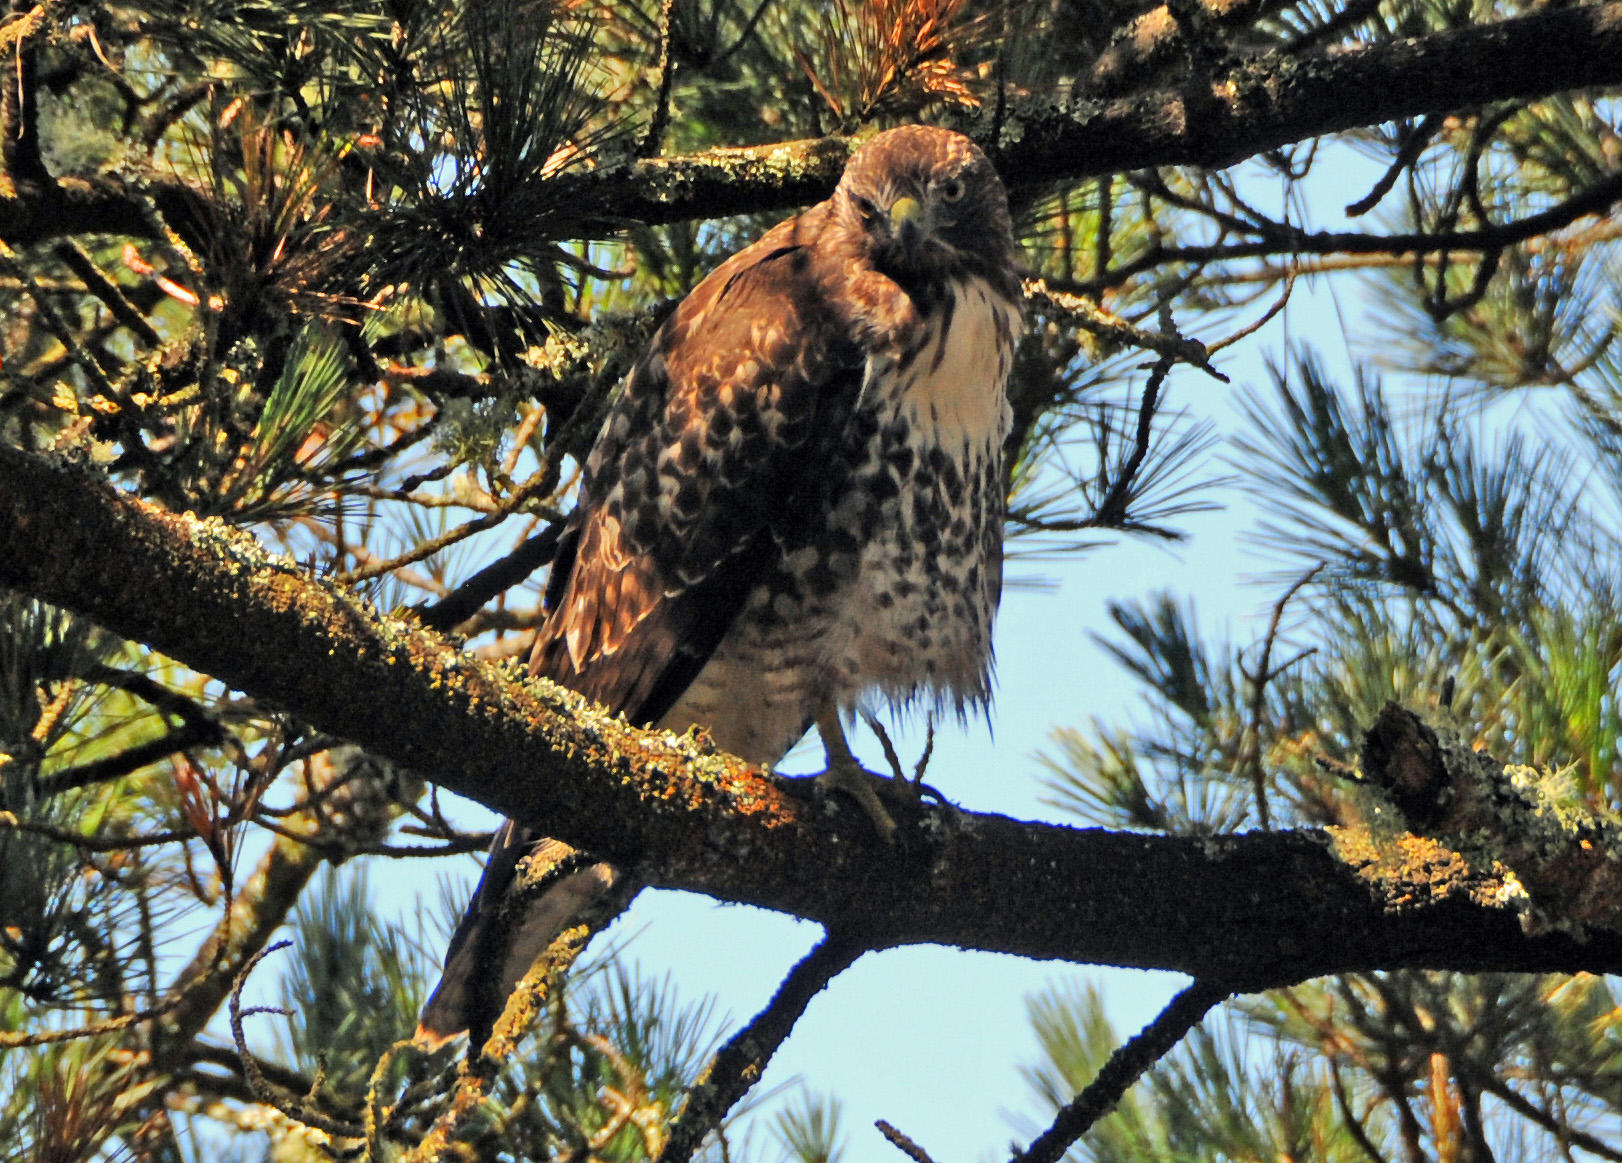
x: 702, y: 460
x: 701, y: 466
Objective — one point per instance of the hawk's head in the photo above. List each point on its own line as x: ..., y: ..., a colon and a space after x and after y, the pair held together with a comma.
x: 929, y: 208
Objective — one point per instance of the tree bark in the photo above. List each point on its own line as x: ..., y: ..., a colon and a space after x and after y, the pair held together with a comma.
x: 1263, y: 103
x: 1250, y: 910
x: 1269, y: 101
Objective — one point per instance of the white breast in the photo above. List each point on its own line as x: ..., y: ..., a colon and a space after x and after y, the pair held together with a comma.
x: 954, y: 388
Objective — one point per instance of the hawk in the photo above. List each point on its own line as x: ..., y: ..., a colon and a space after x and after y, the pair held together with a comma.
x: 795, y: 503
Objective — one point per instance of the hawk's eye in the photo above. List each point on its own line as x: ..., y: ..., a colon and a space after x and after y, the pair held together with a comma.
x: 951, y: 189
x: 866, y: 209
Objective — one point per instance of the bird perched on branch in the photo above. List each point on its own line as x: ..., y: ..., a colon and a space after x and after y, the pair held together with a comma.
x: 796, y: 502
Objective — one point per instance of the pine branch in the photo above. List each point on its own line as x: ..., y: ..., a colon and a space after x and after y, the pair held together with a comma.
x: 129, y: 760
x: 1273, y: 100
x: 264, y: 900
x: 500, y: 575
x: 1266, y: 102
x: 1125, y: 1067
x: 1253, y: 910
x: 1280, y: 239
x: 738, y: 1065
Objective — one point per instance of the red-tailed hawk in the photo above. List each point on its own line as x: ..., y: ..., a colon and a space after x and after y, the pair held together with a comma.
x: 797, y: 501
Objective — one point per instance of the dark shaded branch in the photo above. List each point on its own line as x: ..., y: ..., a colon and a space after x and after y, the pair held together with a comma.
x: 1113, y: 506
x: 738, y: 1065
x: 1125, y: 1067
x: 230, y: 1059
x: 107, y: 291
x: 653, y: 140
x: 76, y: 839
x: 1414, y: 143
x: 161, y: 698
x: 1559, y: 1127
x: 469, y: 597
x: 1278, y: 238
x: 129, y: 760
x: 197, y: 729
x: 103, y: 204
x: 1277, y: 99
x: 1261, y: 104
x: 1250, y: 910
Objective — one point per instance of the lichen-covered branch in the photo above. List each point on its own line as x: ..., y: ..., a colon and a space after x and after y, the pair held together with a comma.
x: 1250, y: 910
x: 1566, y: 860
x: 1262, y: 103
x: 1269, y: 101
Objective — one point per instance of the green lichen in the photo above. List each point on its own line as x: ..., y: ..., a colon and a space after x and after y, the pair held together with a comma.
x: 1555, y: 860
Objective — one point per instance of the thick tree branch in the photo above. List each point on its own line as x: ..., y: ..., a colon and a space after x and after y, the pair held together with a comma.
x: 104, y: 204
x: 1270, y: 101
x: 1251, y: 910
x: 1264, y: 103
x: 1278, y: 99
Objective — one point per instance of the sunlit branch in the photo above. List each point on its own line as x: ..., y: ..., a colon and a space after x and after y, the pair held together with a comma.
x: 1255, y: 909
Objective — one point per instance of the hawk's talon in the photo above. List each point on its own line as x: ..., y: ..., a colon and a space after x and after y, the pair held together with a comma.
x: 881, y: 797
x: 862, y: 786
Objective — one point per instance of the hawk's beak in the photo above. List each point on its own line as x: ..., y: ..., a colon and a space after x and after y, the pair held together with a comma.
x: 908, y: 222
x: 906, y: 210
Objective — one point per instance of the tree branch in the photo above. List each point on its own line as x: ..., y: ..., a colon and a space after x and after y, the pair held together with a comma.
x: 738, y: 1065
x: 1251, y: 910
x: 1270, y: 101
x: 264, y: 900
x: 1266, y: 102
x: 1124, y: 1068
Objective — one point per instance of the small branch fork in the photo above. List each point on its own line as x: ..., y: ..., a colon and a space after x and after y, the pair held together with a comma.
x: 263, y: 1090
x: 1264, y: 673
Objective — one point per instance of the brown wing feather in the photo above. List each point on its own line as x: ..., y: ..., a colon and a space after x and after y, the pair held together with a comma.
x: 695, y: 477
x: 700, y: 462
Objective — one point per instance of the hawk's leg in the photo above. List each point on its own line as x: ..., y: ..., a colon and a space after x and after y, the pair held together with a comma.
x: 868, y: 789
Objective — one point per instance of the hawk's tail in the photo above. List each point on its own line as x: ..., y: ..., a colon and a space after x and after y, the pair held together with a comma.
x: 513, y: 921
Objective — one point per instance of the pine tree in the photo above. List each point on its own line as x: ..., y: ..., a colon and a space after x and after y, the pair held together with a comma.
x: 334, y: 296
